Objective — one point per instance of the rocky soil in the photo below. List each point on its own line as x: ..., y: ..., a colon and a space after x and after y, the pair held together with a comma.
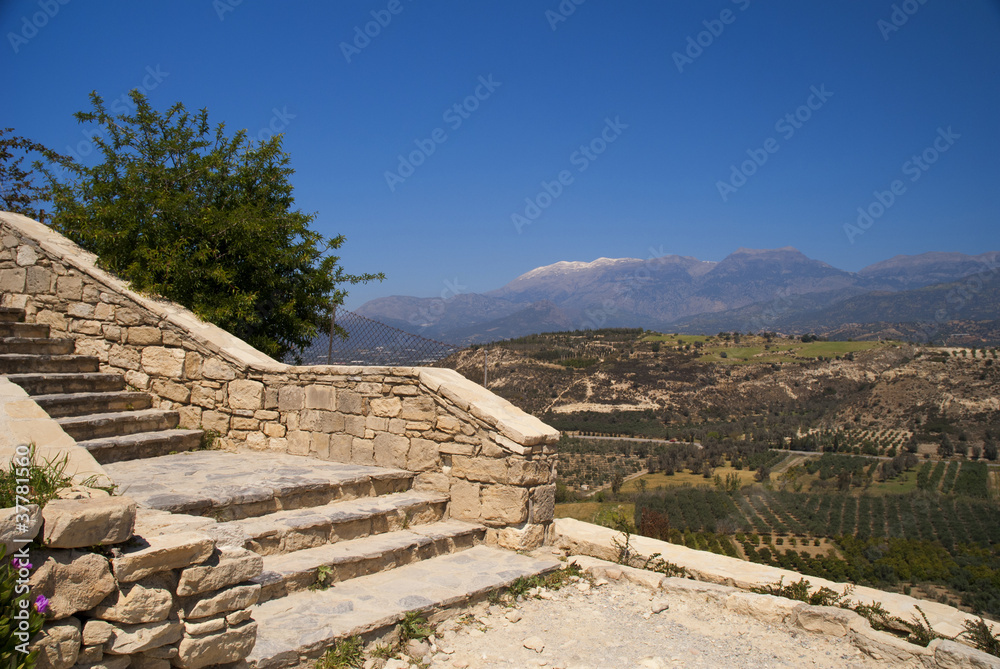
x: 617, y: 624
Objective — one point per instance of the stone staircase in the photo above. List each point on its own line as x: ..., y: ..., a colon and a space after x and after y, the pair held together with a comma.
x: 346, y: 549
x: 94, y: 408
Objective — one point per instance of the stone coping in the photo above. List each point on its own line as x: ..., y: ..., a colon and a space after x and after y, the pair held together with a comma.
x: 597, y: 541
x: 511, y: 422
x: 23, y: 422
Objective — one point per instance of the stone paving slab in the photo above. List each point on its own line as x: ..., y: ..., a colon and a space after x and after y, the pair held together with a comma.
x: 302, y: 625
x: 240, y: 485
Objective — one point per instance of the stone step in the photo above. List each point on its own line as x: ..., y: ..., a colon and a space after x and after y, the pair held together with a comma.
x: 296, y: 529
x: 295, y: 629
x: 19, y: 363
x: 230, y: 486
x: 35, y: 330
x: 292, y: 572
x: 80, y: 404
x: 50, y: 384
x: 37, y: 346
x: 142, y: 445
x: 11, y: 315
x: 101, y: 425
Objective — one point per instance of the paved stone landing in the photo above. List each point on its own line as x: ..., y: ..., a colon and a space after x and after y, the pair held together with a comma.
x: 301, y: 625
x: 239, y: 485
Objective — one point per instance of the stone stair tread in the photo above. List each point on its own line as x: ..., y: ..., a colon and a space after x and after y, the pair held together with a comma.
x: 203, y: 481
x: 104, y: 448
x: 61, y: 379
x: 84, y: 403
x: 110, y: 394
x: 47, y: 363
x: 306, y: 622
x: 335, y: 512
x: 36, y: 340
x: 387, y: 546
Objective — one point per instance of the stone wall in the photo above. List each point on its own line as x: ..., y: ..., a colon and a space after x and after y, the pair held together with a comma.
x: 496, y: 462
x: 117, y: 600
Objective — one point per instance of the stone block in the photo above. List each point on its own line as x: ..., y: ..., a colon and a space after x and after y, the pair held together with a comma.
x: 340, y: 447
x: 465, y: 500
x: 291, y: 398
x: 12, y: 280
x: 386, y: 407
x: 419, y: 409
x: 26, y: 255
x: 349, y: 401
x: 144, y: 335
x: 762, y: 607
x: 203, y: 397
x: 319, y: 397
x: 53, y: 319
x: 175, y: 392
x: 146, y: 601
x: 299, y: 442
x: 160, y: 361
x: 423, y: 455
x: 58, y: 644
x: 354, y: 425
x: 231, y: 645
x: 129, y: 639
x: 433, y: 482
x: 319, y: 445
x: 317, y: 420
x: 96, y: 632
x: 227, y: 566
x: 221, y: 601
x: 39, y: 280
x: 519, y: 537
x: 90, y: 655
x: 246, y: 394
x: 362, y: 451
x: 127, y: 317
x: 951, y: 655
x: 79, y: 523
x: 487, y: 470
x: 192, y: 365
x: 543, y: 504
x: 104, y: 312
x: 449, y: 424
x: 70, y: 287
x: 71, y: 580
x: 823, y: 619
x: 390, y: 450
x: 216, y: 421
x: 504, y: 504
x: 160, y: 553
x: 216, y: 369
x: 11, y: 520
x: 78, y: 309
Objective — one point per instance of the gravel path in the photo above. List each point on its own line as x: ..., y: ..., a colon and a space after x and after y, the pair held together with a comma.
x: 612, y: 625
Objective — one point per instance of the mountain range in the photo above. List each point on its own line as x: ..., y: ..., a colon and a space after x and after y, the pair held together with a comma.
x: 916, y: 297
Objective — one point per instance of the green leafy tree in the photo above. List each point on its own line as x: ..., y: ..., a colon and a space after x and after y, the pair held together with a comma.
x: 182, y: 210
x: 18, y: 191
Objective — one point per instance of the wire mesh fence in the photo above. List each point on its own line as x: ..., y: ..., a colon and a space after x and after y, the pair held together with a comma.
x: 370, y: 342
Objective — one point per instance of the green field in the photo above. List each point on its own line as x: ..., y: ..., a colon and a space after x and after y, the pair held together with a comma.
x: 675, y: 338
x: 785, y: 351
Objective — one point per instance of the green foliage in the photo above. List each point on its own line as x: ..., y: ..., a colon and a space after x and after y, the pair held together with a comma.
x: 982, y: 637
x: 45, y: 479
x: 179, y: 209
x: 413, y: 626
x: 346, y: 654
x: 18, y: 191
x: 11, y: 602
x: 324, y: 578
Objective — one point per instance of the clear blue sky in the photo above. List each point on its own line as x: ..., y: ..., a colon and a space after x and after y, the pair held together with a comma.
x: 655, y: 186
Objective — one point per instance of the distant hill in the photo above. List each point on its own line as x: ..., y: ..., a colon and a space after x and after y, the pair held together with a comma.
x: 749, y: 290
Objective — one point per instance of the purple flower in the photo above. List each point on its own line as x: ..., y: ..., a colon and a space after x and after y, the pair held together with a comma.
x: 41, y: 604
x: 20, y: 564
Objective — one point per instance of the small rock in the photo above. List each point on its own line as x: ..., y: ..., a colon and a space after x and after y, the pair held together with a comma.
x: 534, y: 643
x: 372, y: 663
x: 460, y: 664
x: 659, y: 605
x: 447, y: 650
x: 417, y: 648
x: 396, y: 664
x: 514, y: 616
x: 601, y: 581
x: 583, y: 586
x: 613, y: 573
x: 545, y: 594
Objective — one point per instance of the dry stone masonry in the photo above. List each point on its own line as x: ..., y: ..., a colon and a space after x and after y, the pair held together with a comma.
x: 495, y: 462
